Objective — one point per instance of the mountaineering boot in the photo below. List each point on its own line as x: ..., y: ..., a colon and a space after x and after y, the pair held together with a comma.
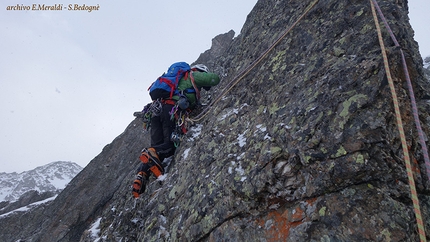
x: 149, y: 156
x: 139, y: 185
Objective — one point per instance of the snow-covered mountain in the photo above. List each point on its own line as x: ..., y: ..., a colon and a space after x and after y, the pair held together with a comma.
x: 50, y: 177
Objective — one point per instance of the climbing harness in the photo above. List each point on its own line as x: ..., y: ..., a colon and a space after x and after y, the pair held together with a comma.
x: 412, y: 186
x: 179, y: 113
x: 245, y: 72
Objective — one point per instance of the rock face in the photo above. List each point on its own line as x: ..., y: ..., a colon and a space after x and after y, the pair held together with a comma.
x: 220, y: 44
x: 304, y: 148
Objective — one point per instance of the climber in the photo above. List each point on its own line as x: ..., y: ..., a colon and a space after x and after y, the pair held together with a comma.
x: 163, y: 123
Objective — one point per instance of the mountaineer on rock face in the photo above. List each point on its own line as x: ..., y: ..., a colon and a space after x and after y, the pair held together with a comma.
x: 174, y: 95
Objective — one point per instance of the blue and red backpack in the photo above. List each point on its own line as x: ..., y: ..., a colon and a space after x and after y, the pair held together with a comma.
x: 165, y: 87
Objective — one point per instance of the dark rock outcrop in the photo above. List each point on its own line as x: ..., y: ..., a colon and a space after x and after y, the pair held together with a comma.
x: 27, y: 198
x: 304, y: 148
x: 220, y: 44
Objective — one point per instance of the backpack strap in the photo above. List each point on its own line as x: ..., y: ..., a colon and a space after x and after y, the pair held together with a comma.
x: 195, y: 86
x: 170, y: 84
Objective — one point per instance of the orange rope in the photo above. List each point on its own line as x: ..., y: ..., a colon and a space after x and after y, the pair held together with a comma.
x: 414, y: 195
x: 411, y: 93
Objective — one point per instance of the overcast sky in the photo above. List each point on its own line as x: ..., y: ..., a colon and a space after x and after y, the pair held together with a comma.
x: 71, y: 80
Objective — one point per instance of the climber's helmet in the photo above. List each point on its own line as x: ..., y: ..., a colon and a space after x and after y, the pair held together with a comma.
x: 200, y: 67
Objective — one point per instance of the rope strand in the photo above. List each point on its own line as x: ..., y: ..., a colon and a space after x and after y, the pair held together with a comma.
x: 411, y: 93
x: 245, y: 72
x: 373, y: 3
x: 414, y: 195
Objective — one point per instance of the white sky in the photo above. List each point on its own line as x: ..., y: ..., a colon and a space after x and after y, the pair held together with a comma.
x: 71, y: 80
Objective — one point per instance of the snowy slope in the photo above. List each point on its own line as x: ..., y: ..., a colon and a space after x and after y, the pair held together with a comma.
x: 50, y: 177
x: 27, y: 207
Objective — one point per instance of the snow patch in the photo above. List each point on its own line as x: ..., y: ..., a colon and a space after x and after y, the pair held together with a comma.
x: 28, y: 207
x: 241, y: 140
x: 240, y: 170
x: 274, y: 206
x: 163, y: 219
x: 241, y: 156
x: 286, y: 126
x: 232, y: 111
x: 163, y: 233
x: 186, y: 152
x: 230, y: 168
x: 59, y: 183
x: 261, y: 128
x: 229, y: 112
x: 196, y: 130
x: 162, y: 178
x: 95, y: 230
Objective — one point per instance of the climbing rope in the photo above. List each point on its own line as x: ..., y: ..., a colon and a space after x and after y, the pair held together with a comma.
x: 373, y: 3
x: 245, y: 72
x: 411, y: 93
x: 414, y: 195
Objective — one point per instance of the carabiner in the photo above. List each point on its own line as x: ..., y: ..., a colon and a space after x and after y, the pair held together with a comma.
x: 181, y: 119
x: 173, y: 112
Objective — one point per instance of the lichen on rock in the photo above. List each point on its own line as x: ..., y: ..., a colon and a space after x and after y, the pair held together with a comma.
x: 304, y: 148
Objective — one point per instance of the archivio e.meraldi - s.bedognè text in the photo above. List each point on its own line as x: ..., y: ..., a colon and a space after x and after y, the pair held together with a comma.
x: 55, y: 7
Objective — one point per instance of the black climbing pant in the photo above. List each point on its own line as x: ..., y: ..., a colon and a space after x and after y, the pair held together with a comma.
x: 162, y: 127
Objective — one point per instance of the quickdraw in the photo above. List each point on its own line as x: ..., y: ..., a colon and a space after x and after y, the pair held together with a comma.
x: 181, y: 127
x: 147, y: 121
x: 150, y: 110
x: 146, y: 115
